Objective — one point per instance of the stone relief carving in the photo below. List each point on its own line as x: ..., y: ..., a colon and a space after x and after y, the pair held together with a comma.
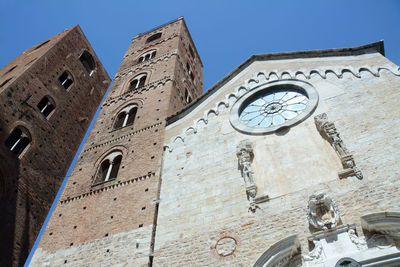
x: 225, y: 246
x: 322, y: 212
x: 360, y: 242
x: 328, y: 130
x: 244, y: 152
x: 315, y: 255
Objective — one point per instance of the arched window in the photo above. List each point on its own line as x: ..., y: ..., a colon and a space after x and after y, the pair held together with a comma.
x: 137, y: 82
x: 46, y: 106
x: 188, y: 99
x: 153, y: 37
x: 88, y: 62
x: 66, y: 79
x: 18, y: 140
x: 109, y: 167
x: 126, y: 117
x: 147, y: 56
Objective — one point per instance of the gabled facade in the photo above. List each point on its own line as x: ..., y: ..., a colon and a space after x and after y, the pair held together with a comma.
x: 49, y: 94
x: 290, y: 160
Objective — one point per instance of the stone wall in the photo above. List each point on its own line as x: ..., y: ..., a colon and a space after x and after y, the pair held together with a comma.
x: 203, y: 202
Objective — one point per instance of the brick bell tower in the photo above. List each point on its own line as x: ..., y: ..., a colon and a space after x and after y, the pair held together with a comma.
x: 108, y: 210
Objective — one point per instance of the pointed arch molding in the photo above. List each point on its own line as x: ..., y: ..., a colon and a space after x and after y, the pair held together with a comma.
x: 280, y: 253
x: 263, y: 77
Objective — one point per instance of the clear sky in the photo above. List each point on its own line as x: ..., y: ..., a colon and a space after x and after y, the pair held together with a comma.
x: 225, y: 33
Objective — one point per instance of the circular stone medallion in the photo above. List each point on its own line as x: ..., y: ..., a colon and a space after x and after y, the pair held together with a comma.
x: 225, y: 246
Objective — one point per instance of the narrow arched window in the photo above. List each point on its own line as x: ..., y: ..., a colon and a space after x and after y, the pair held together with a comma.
x: 153, y: 37
x: 46, y: 106
x: 147, y: 56
x: 188, y: 99
x: 126, y: 117
x: 18, y: 140
x: 87, y: 62
x: 66, y: 79
x: 137, y: 82
x: 109, y: 167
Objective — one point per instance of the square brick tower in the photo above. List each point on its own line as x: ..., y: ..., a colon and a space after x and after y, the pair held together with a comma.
x: 48, y: 95
x: 108, y: 211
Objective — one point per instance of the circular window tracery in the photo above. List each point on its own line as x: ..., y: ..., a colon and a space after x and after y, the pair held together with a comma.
x: 272, y: 106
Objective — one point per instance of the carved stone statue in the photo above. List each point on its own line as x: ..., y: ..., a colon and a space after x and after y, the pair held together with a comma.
x: 244, y: 152
x: 328, y: 130
x: 322, y: 212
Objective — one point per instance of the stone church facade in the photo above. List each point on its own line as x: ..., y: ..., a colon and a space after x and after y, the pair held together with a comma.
x: 290, y: 160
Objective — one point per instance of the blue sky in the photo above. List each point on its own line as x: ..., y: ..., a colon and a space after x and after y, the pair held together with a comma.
x: 225, y: 33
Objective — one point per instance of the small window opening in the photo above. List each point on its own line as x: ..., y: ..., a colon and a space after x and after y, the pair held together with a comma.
x: 88, y: 62
x: 46, y: 106
x: 153, y: 37
x: 10, y: 70
x: 66, y: 79
x: 191, y: 51
x: 5, y: 82
x: 188, y: 99
x: 137, y: 82
x: 109, y: 167
x: 115, y: 167
x: 142, y: 81
x: 18, y: 140
x: 126, y: 117
x: 40, y: 45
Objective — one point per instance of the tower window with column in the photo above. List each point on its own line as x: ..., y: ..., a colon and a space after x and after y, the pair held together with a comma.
x: 109, y: 167
x: 125, y: 117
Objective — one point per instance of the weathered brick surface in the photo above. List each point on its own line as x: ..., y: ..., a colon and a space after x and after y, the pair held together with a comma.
x: 127, y: 205
x: 36, y: 176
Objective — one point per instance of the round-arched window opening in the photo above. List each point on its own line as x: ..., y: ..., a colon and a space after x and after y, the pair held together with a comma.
x: 18, y: 140
x: 272, y: 106
x: 88, y: 62
x: 109, y: 167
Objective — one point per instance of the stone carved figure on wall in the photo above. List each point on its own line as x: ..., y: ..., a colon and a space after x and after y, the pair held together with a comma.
x: 315, y: 256
x: 360, y: 242
x: 244, y: 152
x: 322, y: 212
x: 328, y: 130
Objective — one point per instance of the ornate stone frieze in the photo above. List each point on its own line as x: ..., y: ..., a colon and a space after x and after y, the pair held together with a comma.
x: 244, y: 152
x: 322, y: 212
x: 328, y: 130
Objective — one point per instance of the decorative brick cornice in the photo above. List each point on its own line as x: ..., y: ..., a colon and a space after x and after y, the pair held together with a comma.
x: 123, y: 137
x: 131, y: 93
x: 107, y: 188
x: 144, y: 64
x: 144, y: 48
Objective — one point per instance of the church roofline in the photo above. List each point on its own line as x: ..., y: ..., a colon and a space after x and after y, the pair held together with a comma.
x: 335, y: 52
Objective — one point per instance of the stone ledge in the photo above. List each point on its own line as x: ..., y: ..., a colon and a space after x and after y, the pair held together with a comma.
x: 113, y: 186
x: 122, y: 137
